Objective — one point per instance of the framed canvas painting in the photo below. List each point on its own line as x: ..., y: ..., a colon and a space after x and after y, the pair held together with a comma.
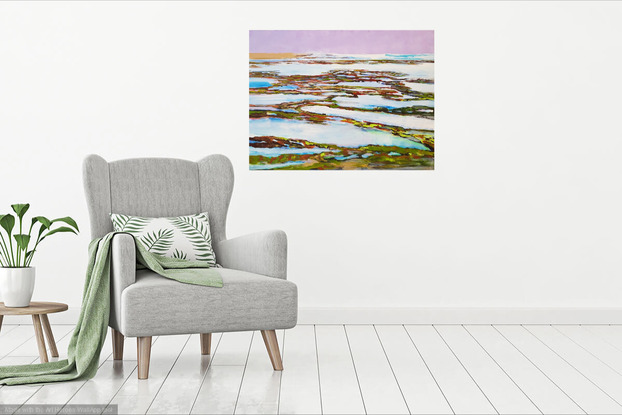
x: 341, y: 99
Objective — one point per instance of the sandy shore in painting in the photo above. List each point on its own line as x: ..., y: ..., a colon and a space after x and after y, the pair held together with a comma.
x: 329, y: 112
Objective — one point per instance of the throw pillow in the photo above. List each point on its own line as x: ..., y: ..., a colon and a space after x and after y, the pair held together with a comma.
x: 182, y: 237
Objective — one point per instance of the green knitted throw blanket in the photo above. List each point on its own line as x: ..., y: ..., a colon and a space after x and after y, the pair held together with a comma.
x: 90, y: 332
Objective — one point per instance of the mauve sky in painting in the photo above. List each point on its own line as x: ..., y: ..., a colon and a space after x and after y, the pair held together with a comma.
x: 342, y: 41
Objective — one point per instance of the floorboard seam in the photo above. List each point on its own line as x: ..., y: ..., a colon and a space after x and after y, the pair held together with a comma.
x: 243, y: 373
x: 541, y: 371
x: 83, y: 383
x: 127, y: 378
x: 465, y: 369
x: 570, y: 364
x: 429, y: 370
x: 355, y: 371
x: 600, y: 336
x: 167, y: 374
x: 37, y: 391
x: 278, y: 401
x: 500, y: 367
x: 205, y: 374
x: 317, y: 361
x: 596, y: 357
x: 391, y: 367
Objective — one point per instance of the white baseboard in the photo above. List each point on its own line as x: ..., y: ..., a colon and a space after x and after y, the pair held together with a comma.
x: 418, y: 315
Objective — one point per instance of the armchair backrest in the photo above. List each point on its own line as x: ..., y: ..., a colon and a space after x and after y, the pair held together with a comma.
x: 158, y: 187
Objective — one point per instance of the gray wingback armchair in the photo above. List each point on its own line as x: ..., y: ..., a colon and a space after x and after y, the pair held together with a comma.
x: 255, y: 295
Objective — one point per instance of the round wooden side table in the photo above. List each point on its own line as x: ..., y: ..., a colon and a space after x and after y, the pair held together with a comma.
x: 39, y: 312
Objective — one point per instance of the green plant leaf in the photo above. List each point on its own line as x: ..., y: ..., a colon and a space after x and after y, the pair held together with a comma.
x: 158, y: 242
x: 198, y: 233
x: 22, y: 241
x: 59, y: 230
x: 42, y: 229
x: 131, y: 224
x: 4, y: 251
x: 45, y: 222
x: 20, y: 209
x: 69, y: 221
x: 7, y: 222
x: 179, y: 254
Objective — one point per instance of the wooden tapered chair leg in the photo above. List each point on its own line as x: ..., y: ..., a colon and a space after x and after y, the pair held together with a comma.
x: 117, y: 344
x: 272, y: 345
x: 206, y: 343
x: 144, y: 355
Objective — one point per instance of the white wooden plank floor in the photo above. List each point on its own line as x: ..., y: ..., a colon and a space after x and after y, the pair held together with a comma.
x: 354, y: 369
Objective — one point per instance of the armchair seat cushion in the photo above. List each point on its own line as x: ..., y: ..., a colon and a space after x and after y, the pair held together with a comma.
x: 154, y: 305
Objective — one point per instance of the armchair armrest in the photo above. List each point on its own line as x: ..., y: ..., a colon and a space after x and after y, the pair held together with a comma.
x: 262, y: 253
x: 122, y: 273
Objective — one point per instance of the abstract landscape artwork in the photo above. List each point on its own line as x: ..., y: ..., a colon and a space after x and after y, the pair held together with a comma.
x: 341, y: 99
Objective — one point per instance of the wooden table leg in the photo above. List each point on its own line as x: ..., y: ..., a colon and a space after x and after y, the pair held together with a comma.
x: 36, y: 321
x: 1, y: 317
x: 49, y: 335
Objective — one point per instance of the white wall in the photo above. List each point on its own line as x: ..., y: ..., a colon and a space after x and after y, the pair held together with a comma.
x: 523, y: 209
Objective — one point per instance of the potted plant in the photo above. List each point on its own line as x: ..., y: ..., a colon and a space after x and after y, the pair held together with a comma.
x: 17, y: 277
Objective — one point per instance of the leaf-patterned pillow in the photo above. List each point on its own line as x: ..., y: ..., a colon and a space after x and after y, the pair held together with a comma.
x: 183, y: 237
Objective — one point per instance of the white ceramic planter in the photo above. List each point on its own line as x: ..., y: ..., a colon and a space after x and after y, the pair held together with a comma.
x: 17, y: 285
